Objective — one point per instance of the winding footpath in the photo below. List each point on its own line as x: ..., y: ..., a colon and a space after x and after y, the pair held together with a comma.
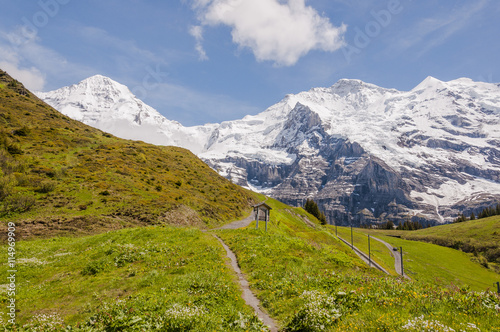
x: 364, y: 257
x: 239, y: 223
x: 248, y: 296
x: 397, y: 257
x: 251, y: 300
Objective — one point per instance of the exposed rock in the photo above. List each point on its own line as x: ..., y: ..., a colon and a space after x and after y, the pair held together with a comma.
x: 362, y: 152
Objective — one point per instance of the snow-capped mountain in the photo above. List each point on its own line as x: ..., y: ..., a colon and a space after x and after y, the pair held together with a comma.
x: 364, y: 153
x: 110, y: 106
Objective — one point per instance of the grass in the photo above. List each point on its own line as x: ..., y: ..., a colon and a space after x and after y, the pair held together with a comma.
x: 424, y: 261
x: 175, y: 279
x: 443, y: 266
x: 59, y: 176
x: 115, y: 278
x: 481, y: 238
x: 485, y: 230
x: 309, y: 281
x: 379, y: 252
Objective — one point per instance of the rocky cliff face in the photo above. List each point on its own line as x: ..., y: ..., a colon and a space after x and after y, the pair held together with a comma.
x: 366, y: 154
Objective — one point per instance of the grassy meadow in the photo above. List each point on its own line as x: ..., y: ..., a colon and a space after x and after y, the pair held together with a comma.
x: 176, y: 279
x: 443, y: 266
x: 310, y: 281
x: 61, y: 177
x: 138, y: 279
x: 425, y: 261
x: 479, y: 238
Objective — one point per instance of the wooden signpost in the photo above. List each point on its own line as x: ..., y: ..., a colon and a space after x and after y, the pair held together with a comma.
x: 262, y: 212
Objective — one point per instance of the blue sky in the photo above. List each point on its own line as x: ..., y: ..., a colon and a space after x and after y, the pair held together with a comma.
x: 199, y: 61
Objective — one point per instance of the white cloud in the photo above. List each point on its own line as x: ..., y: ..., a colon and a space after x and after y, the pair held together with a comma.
x: 26, y: 59
x: 10, y: 61
x: 274, y: 30
x: 30, y: 77
x: 197, y: 32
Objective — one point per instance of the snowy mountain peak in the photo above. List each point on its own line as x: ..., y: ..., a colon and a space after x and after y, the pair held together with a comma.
x: 99, y: 99
x: 351, y: 83
x: 346, y: 86
x: 430, y: 83
x: 99, y: 79
x: 110, y: 106
x: 425, y: 153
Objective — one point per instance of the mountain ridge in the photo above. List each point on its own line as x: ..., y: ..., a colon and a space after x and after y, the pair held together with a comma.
x: 60, y: 176
x: 430, y: 147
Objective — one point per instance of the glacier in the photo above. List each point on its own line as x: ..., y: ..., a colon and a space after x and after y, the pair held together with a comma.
x: 365, y: 153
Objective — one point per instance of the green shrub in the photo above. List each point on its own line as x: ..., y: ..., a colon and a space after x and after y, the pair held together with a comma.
x: 46, y: 187
x: 95, y: 267
x: 13, y: 84
x: 126, y: 255
x: 19, y: 202
x: 24, y: 131
x: 14, y: 149
x: 6, y: 187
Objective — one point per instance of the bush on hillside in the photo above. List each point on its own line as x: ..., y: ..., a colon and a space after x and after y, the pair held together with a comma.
x: 46, y: 187
x: 19, y: 203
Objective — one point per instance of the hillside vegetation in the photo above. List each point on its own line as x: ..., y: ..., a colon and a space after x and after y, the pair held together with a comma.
x: 480, y: 237
x: 141, y: 279
x: 443, y: 266
x: 59, y: 176
x: 175, y: 279
x: 310, y: 281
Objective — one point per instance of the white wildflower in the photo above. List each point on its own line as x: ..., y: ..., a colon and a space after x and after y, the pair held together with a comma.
x: 421, y: 324
x: 31, y: 261
x: 45, y: 322
x: 178, y: 311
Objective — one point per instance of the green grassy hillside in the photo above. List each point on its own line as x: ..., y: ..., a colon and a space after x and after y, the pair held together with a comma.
x: 479, y: 237
x: 59, y: 176
x: 427, y: 262
x: 443, y: 266
x: 175, y: 279
x: 308, y: 280
x: 140, y: 279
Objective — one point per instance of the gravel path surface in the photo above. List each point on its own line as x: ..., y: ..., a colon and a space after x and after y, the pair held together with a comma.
x: 248, y: 296
x: 239, y: 223
x: 397, y: 257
